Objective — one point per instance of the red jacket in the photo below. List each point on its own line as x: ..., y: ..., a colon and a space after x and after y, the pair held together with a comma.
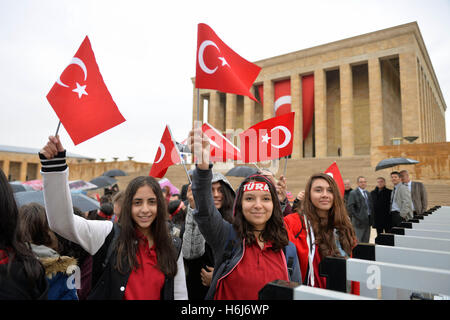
x: 297, y: 232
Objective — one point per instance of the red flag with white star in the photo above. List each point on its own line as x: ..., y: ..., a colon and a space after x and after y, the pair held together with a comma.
x: 221, y: 148
x: 81, y: 100
x: 334, y: 172
x: 166, y: 156
x: 220, y: 68
x: 269, y: 139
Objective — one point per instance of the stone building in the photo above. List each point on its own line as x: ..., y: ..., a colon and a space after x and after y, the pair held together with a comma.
x: 369, y: 91
x: 22, y: 164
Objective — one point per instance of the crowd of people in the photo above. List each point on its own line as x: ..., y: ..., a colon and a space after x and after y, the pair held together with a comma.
x: 211, y: 241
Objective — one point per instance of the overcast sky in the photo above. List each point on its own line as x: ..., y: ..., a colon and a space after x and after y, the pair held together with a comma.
x: 146, y: 54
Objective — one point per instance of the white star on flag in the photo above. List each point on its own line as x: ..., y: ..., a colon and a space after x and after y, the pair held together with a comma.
x: 265, y: 138
x: 80, y: 90
x: 224, y: 62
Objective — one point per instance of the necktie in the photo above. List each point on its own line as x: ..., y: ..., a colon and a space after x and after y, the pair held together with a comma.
x: 366, y: 197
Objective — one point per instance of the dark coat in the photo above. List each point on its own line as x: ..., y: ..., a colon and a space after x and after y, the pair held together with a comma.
x: 220, y: 234
x: 15, y: 285
x: 111, y: 284
x: 381, y: 203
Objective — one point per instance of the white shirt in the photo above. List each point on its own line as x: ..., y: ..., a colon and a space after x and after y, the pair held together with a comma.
x: 394, y: 206
x: 409, y: 187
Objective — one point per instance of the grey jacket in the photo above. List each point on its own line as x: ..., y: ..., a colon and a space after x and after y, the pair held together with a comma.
x: 218, y: 231
x: 402, y: 197
x: 357, y: 209
x: 419, y: 197
x: 193, y: 240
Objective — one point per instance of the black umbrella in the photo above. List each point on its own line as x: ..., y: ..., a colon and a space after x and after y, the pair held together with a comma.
x: 103, y: 181
x: 81, y: 201
x: 17, y: 187
x: 392, y: 162
x: 114, y: 173
x: 241, y: 171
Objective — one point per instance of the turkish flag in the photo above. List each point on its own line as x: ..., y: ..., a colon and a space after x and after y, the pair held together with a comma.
x: 220, y: 68
x: 282, y: 97
x: 221, y: 147
x: 81, y: 100
x: 334, y: 172
x: 268, y: 139
x: 166, y: 155
x: 308, y: 103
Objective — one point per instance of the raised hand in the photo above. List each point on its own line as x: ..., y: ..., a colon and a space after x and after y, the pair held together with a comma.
x: 53, y: 146
x: 199, y: 145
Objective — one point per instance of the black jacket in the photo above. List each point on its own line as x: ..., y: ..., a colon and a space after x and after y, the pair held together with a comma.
x: 381, y: 203
x: 111, y: 284
x: 15, y: 285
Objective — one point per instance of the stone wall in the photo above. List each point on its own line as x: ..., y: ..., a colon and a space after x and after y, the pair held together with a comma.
x: 434, y: 159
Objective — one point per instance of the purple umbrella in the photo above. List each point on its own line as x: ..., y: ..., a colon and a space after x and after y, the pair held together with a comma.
x: 166, y: 182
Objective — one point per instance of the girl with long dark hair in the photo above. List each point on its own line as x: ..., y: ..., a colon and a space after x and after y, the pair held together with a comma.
x: 320, y: 228
x: 22, y: 276
x: 137, y: 256
x: 251, y: 251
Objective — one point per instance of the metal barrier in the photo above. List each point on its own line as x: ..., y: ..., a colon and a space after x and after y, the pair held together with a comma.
x: 421, y: 233
x: 374, y: 275
x: 389, y: 239
x: 280, y: 289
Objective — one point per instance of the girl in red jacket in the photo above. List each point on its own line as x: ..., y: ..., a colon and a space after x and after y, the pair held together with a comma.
x: 320, y: 227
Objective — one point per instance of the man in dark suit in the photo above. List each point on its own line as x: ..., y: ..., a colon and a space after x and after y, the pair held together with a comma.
x: 381, y: 197
x: 418, y: 193
x: 360, y: 207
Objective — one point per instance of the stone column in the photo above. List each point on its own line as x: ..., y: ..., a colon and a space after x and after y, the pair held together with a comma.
x: 230, y: 111
x: 214, y: 109
x: 347, y: 129
x: 249, y: 111
x: 375, y: 104
x: 268, y: 99
x: 409, y: 93
x: 23, y: 171
x: 6, y: 167
x: 320, y: 113
x: 297, y: 107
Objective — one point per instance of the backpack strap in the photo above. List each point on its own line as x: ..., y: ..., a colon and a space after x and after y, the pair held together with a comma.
x: 112, y: 244
x: 289, y: 262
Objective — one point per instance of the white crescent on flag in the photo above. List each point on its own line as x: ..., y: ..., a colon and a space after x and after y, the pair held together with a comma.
x: 163, y: 152
x: 78, y: 62
x: 281, y: 101
x: 201, y: 61
x: 287, y: 138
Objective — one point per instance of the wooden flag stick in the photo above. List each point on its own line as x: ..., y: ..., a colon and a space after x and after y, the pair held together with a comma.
x: 57, y: 129
x: 185, y: 170
x: 285, y: 166
x: 257, y: 166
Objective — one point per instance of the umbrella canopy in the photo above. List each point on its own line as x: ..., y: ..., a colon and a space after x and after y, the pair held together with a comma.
x: 166, y: 182
x: 81, y: 185
x: 17, y: 187
x: 81, y: 201
x: 241, y: 171
x: 392, y: 162
x: 114, y: 173
x: 35, y: 184
x: 103, y: 181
